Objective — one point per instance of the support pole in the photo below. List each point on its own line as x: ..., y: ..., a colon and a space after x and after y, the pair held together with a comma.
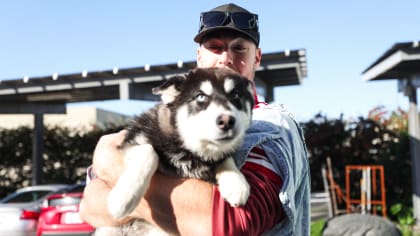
x: 269, y: 97
x: 414, y: 135
x: 37, y: 148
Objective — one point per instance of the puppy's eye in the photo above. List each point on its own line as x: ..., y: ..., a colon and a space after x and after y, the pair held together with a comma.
x: 235, y: 95
x: 201, y: 98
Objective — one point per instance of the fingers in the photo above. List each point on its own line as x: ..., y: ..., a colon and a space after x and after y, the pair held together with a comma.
x: 113, y: 140
x: 107, y: 157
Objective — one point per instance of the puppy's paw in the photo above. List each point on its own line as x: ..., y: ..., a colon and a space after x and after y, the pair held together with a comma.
x: 234, y: 188
x: 141, y: 162
x: 120, y: 204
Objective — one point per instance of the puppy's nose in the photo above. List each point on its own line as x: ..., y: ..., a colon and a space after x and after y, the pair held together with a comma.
x: 225, y: 122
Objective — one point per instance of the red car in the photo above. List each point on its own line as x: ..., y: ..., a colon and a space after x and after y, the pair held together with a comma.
x: 60, y: 216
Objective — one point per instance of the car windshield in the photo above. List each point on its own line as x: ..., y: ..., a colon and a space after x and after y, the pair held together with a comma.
x: 23, y: 197
x: 65, y: 201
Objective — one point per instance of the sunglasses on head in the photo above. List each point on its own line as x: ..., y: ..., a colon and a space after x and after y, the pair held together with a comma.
x: 241, y: 20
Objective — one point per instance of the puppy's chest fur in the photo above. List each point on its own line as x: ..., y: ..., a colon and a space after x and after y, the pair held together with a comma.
x: 157, y: 127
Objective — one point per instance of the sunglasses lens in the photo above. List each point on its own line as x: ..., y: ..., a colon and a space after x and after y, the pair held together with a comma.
x: 213, y: 18
x: 244, y: 20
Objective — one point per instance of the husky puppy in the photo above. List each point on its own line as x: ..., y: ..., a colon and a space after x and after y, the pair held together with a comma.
x: 192, y: 133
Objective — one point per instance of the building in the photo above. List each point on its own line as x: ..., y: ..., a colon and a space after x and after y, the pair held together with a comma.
x: 80, y: 118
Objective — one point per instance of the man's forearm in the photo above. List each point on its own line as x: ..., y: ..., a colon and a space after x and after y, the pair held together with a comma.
x: 179, y: 206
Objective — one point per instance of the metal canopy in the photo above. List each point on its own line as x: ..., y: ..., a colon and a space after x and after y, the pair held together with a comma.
x: 402, y: 62
x: 277, y: 69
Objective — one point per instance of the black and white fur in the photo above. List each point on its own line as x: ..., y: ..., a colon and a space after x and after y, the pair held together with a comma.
x: 192, y: 133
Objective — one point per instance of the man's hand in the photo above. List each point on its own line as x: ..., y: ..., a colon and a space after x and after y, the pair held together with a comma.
x: 179, y: 206
x: 108, y: 162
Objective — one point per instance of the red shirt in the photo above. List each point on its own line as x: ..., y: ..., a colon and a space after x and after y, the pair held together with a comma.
x: 263, y: 209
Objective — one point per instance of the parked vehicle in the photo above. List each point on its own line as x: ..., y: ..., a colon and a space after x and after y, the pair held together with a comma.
x: 60, y: 216
x: 19, y: 211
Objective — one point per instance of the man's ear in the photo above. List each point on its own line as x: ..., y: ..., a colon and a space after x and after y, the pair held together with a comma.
x: 258, y: 56
x: 169, y: 89
x: 199, y: 64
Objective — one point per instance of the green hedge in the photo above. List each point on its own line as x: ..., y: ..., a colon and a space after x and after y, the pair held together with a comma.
x: 67, y: 153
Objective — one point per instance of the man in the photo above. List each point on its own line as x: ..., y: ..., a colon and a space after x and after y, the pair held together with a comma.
x: 273, y: 157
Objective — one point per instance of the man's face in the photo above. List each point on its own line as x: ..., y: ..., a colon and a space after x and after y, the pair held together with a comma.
x: 236, y: 53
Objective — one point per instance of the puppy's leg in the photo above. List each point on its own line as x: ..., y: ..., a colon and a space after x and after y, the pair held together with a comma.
x: 232, y: 183
x: 141, y: 162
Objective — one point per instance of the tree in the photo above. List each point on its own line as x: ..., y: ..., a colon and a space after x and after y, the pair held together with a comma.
x: 380, y: 139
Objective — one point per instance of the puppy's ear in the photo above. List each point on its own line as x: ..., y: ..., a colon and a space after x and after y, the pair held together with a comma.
x: 170, y: 88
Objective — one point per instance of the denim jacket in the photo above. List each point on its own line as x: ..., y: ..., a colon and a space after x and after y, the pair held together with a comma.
x: 275, y: 130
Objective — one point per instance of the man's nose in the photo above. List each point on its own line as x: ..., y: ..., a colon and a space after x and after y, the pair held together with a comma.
x: 225, y: 59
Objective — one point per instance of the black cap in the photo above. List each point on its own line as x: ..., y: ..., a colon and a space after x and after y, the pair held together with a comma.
x: 253, y: 33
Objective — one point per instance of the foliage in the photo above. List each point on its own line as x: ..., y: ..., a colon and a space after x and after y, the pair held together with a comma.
x: 404, y: 216
x: 396, y: 121
x: 403, y: 213
x: 380, y: 139
x: 67, y: 153
x: 15, y: 166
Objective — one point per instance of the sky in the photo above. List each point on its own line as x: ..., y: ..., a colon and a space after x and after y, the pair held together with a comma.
x: 341, y: 39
